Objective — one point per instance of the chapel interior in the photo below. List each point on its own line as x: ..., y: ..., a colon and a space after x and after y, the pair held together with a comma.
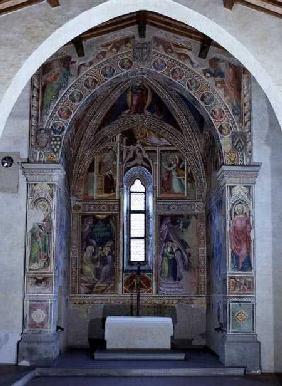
x: 140, y: 188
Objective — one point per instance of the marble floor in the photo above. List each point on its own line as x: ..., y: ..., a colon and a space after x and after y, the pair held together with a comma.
x: 262, y: 380
x: 82, y: 359
x: 10, y: 374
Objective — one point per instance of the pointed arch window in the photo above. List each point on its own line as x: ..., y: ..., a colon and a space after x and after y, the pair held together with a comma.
x: 138, y: 218
x: 137, y: 222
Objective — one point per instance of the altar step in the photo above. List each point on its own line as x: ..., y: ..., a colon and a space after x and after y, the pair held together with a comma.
x: 145, y: 355
x: 140, y: 372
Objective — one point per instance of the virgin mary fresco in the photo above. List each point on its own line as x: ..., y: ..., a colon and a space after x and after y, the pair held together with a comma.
x: 175, y: 261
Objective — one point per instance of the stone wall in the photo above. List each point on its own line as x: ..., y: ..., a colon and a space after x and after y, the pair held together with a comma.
x: 267, y: 141
x: 12, y: 230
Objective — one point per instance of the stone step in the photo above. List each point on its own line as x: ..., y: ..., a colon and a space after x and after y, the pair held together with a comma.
x: 143, y: 355
x: 142, y: 372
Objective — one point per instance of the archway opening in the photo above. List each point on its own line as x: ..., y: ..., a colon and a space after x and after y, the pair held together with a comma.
x: 143, y: 97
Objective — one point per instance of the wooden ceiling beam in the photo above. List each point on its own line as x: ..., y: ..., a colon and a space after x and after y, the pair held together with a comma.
x: 54, y: 3
x: 229, y: 4
x: 153, y: 20
x: 205, y: 47
x: 262, y: 6
x: 10, y: 8
x: 106, y: 29
x: 79, y: 46
x: 141, y: 17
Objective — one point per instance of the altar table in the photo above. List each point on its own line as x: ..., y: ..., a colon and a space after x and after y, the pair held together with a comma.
x: 142, y: 332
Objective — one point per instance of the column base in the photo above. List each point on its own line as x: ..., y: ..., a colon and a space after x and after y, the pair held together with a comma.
x: 38, y: 349
x: 241, y: 350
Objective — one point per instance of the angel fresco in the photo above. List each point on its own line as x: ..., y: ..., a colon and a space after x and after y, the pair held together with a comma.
x: 173, y: 178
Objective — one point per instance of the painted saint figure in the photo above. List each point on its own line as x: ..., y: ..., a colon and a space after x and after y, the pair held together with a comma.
x: 240, y: 240
x: 175, y: 252
x: 88, y: 270
x: 98, y: 254
x: 107, y: 271
x: 55, y: 77
x: 138, y: 99
x: 173, y: 176
x: 40, y: 235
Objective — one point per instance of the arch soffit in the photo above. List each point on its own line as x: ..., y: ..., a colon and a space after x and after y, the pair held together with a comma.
x: 189, y: 137
x: 114, y: 8
x: 125, y: 123
x: 207, y: 97
x: 78, y: 139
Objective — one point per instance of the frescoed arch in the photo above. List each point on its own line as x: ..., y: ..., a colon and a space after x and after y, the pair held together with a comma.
x: 95, y: 144
x: 89, y: 82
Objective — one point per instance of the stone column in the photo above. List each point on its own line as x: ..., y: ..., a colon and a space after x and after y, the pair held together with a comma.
x: 40, y: 340
x: 239, y: 345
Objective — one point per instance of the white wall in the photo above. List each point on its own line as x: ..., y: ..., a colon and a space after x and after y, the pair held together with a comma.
x: 267, y: 139
x: 12, y: 231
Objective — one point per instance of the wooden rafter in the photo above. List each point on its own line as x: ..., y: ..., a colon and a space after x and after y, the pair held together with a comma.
x: 7, y: 6
x: 54, y: 3
x: 78, y: 45
x: 229, y: 4
x: 205, y: 47
x: 149, y: 18
x: 272, y: 7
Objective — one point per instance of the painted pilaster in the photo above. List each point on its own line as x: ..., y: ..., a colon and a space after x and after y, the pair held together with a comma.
x: 40, y: 341
x: 239, y: 341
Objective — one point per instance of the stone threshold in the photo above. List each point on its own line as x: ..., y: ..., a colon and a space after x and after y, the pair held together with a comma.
x: 140, y: 372
x: 139, y: 355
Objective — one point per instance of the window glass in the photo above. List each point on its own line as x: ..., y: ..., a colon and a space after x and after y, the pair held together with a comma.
x: 137, y: 224
x: 137, y: 221
x: 137, y: 186
x: 137, y: 250
x: 137, y: 201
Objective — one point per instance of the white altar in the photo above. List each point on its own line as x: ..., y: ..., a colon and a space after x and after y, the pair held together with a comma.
x: 143, y: 332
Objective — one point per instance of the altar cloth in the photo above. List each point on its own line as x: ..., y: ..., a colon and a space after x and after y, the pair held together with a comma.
x: 143, y: 332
